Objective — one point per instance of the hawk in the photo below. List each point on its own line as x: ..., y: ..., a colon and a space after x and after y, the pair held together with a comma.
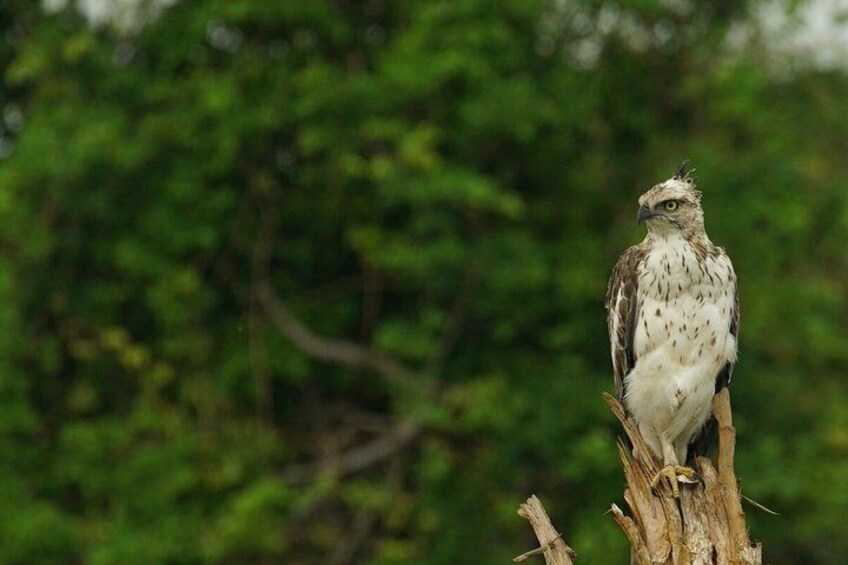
x: 673, y: 317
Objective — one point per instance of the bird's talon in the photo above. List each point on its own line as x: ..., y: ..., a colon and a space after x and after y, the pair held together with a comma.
x: 674, y: 474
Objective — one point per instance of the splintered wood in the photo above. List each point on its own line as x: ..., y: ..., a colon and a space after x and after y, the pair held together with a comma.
x: 551, y: 544
x: 706, y: 525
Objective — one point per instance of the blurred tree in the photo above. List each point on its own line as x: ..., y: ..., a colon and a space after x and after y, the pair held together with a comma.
x: 322, y: 282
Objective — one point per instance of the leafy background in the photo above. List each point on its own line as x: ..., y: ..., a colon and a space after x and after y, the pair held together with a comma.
x: 322, y: 282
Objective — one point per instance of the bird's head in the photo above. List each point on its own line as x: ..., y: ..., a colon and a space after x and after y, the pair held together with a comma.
x: 673, y: 205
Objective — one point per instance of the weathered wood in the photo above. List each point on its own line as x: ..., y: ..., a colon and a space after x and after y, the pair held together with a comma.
x: 551, y: 544
x: 705, y: 525
x: 640, y: 551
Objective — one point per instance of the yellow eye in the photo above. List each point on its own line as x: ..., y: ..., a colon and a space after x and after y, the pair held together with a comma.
x: 670, y: 205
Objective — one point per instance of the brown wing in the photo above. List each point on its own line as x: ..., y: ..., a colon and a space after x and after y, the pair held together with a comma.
x: 702, y: 441
x: 621, y: 314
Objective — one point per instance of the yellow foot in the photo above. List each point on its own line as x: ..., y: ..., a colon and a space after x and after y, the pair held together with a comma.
x: 674, y: 474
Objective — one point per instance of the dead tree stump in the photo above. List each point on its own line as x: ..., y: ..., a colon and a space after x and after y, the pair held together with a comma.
x: 705, y: 526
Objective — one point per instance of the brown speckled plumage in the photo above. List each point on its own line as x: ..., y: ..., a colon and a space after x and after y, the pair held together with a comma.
x: 672, y: 304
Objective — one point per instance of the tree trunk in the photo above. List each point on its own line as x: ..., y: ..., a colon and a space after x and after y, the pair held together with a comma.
x: 704, y: 526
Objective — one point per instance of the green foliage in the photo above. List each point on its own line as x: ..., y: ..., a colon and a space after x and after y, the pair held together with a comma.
x: 445, y: 182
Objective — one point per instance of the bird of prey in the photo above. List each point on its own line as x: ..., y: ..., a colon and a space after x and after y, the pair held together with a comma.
x: 673, y: 317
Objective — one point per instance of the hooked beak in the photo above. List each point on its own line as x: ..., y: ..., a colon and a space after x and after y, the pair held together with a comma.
x: 643, y: 214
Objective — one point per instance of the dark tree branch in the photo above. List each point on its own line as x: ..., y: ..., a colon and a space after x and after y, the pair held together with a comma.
x: 357, y: 458
x: 331, y: 350
x: 351, y: 355
x: 261, y: 256
x: 372, y: 300
x: 457, y: 318
x: 366, y: 519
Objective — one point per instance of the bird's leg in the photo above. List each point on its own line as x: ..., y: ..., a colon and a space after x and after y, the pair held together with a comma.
x: 672, y: 471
